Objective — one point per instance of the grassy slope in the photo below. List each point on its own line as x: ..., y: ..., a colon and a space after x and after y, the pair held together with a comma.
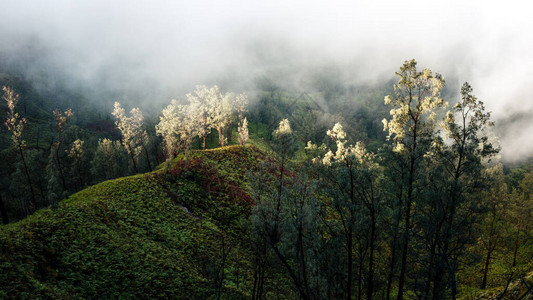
x: 150, y: 235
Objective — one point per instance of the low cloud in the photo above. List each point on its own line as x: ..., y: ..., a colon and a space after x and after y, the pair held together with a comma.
x: 155, y: 50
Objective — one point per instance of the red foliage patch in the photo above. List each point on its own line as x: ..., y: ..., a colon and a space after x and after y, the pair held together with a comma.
x: 226, y: 191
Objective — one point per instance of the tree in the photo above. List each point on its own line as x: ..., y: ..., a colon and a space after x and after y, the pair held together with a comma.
x: 412, y: 129
x: 222, y: 110
x: 492, y: 225
x: 202, y: 109
x: 210, y: 109
x: 465, y: 126
x: 132, y: 133
x: 110, y: 160
x: 77, y: 154
x: 243, y: 132
x: 62, y: 120
x: 137, y: 122
x: 241, y: 102
x: 283, y: 216
x: 15, y: 124
x: 176, y: 127
x: 352, y: 179
x: 519, y: 225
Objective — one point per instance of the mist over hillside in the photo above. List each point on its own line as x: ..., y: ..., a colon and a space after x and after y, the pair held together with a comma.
x: 266, y: 149
x: 148, y: 52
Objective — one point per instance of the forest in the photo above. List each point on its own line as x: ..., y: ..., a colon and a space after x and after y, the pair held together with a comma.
x: 387, y: 191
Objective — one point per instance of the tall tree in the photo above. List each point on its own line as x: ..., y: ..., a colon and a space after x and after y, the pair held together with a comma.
x: 222, y: 110
x: 128, y: 132
x: 15, y: 124
x: 177, y: 128
x: 243, y: 131
x: 136, y: 120
x: 202, y: 107
x: 466, y: 127
x: 353, y: 176
x: 241, y: 102
x: 412, y: 129
x: 132, y: 132
x: 62, y: 120
x: 77, y: 154
x: 520, y: 211
x: 283, y: 215
x: 492, y: 225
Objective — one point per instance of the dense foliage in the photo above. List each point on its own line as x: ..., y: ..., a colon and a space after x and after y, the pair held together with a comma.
x: 174, y: 233
x: 354, y: 194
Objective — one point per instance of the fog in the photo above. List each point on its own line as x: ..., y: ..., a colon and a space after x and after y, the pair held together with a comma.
x: 151, y: 51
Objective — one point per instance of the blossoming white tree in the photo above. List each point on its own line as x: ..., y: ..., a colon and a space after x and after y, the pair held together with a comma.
x: 353, y: 172
x: 243, y: 131
x: 77, y: 154
x: 15, y: 124
x: 132, y: 133
x: 412, y: 129
x: 177, y: 128
x: 241, y: 102
x: 222, y: 110
x: 62, y: 120
x: 207, y: 109
x: 202, y: 109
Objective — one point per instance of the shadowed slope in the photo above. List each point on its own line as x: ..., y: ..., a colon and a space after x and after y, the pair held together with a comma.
x: 158, y: 235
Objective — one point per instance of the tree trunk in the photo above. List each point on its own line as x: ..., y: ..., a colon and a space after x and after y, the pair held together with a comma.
x: 145, y: 152
x: 453, y: 284
x: 27, y: 176
x: 394, y: 247
x: 63, y: 182
x: 274, y: 236
x: 302, y: 260
x: 405, y: 247
x: 261, y: 283
x: 3, y: 211
x: 515, y: 253
x: 408, y: 203
x: 220, y: 136
x: 292, y: 274
x: 147, y: 157
x: 255, y: 286
x: 350, y: 237
x: 434, y: 274
x: 230, y: 134
x: 486, y: 269
x: 454, y: 195
x: 349, y: 250
x: 80, y: 178
x: 370, y: 289
x: 133, y: 160
x: 360, y: 276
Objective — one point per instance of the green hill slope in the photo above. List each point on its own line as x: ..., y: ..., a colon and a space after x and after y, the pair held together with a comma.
x: 172, y: 233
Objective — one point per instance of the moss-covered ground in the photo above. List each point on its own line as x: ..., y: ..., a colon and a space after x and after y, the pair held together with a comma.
x: 174, y: 233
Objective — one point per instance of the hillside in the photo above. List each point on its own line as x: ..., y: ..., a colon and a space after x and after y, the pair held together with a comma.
x: 172, y: 233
